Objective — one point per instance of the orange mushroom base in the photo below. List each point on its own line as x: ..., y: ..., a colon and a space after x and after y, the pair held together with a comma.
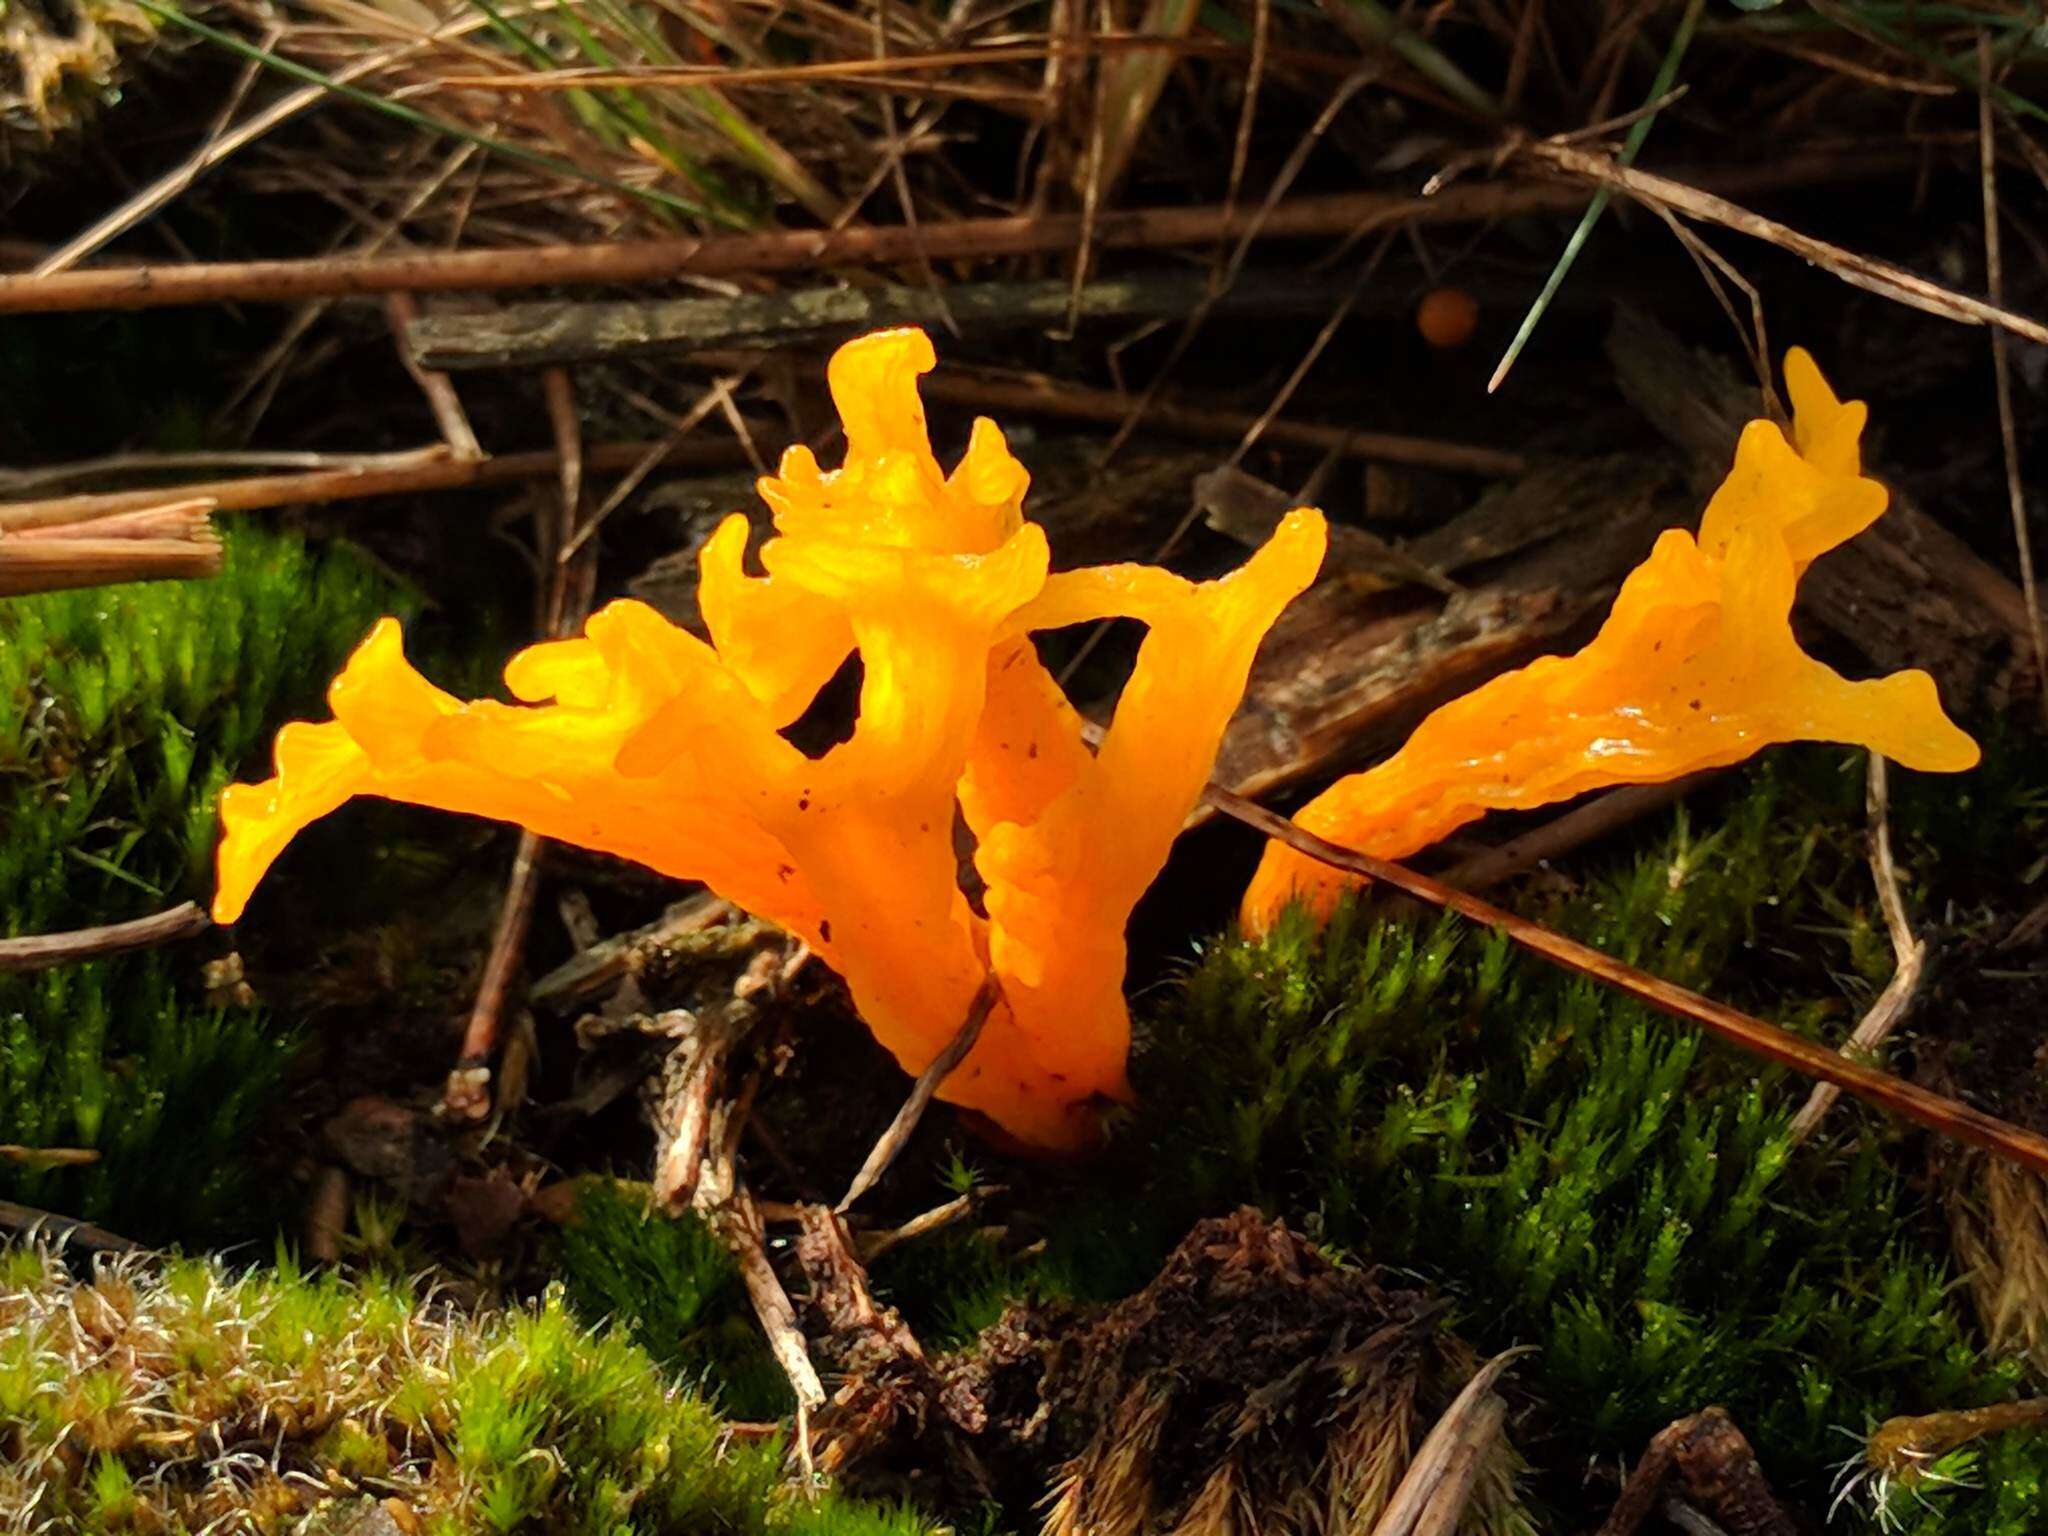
x: 642, y: 740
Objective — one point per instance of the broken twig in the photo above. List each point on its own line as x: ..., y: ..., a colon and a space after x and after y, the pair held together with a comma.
x: 40, y: 951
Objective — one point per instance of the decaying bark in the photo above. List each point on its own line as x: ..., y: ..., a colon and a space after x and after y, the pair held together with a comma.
x: 532, y: 335
x: 1711, y: 1461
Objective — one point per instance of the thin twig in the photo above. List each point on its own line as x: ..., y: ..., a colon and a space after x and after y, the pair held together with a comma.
x: 1909, y: 957
x: 874, y: 1245
x: 17, y: 482
x: 1938, y: 1113
x: 1574, y: 829
x: 402, y: 309
x: 39, y: 952
x: 63, y: 1230
x: 467, y: 1094
x: 1042, y: 394
x: 899, y: 1132
x: 740, y: 1225
x: 2001, y: 366
x: 563, y: 599
x: 48, y: 1157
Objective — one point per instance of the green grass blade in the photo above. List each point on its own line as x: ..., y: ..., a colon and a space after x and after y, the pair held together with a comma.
x: 1667, y: 74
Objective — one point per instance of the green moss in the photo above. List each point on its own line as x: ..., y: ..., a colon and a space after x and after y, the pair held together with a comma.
x: 673, y: 1287
x: 1596, y: 1179
x: 486, y: 1423
x: 123, y: 711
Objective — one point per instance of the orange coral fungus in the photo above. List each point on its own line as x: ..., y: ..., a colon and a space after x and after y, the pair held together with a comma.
x: 642, y: 740
x: 1696, y: 667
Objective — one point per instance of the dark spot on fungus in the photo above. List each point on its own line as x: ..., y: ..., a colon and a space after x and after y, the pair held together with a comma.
x: 785, y: 872
x: 825, y: 929
x: 1695, y: 703
x: 1032, y: 753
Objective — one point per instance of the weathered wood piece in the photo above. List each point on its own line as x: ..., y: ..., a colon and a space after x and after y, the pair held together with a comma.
x: 1346, y: 671
x: 532, y: 335
x: 579, y: 979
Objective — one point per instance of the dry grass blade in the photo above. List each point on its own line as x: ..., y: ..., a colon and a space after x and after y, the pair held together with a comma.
x: 1947, y: 1116
x: 1994, y: 281
x: 334, y: 85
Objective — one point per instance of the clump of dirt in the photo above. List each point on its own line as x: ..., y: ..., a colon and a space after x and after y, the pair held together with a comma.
x: 1255, y: 1384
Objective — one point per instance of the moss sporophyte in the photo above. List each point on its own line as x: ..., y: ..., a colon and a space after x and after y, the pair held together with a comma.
x: 645, y: 741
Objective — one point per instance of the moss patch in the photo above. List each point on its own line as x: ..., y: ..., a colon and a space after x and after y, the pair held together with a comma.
x: 151, y: 1399
x: 123, y: 711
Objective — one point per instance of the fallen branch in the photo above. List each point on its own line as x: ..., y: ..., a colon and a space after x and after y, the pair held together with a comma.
x: 1948, y: 1117
x: 528, y: 335
x: 284, y: 282
x: 41, y: 951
